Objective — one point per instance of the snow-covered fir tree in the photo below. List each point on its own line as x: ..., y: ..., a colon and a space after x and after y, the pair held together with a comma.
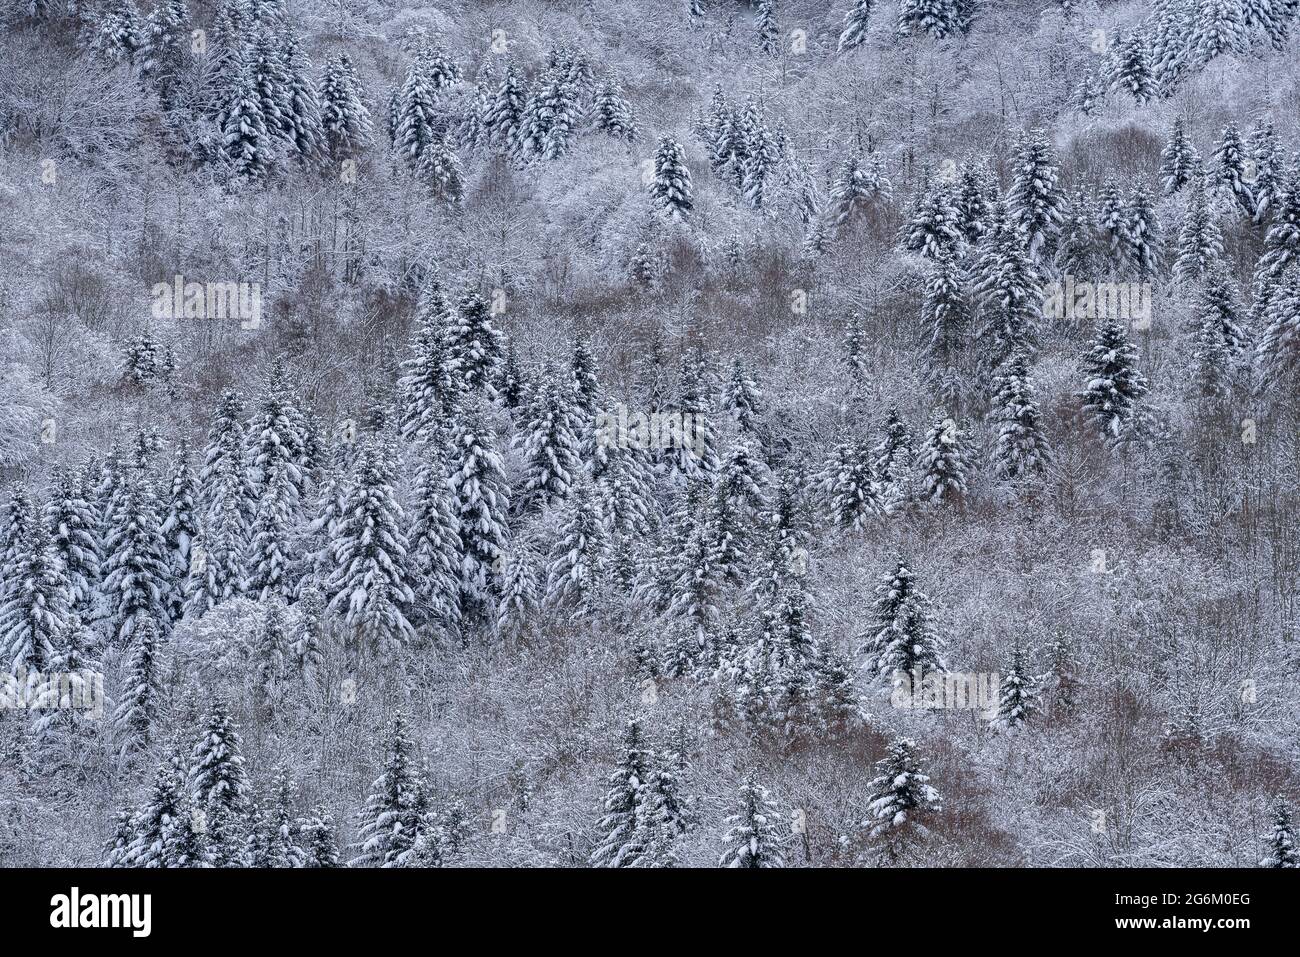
x: 670, y: 184
x: 901, y: 642
x: 1282, y: 851
x: 482, y: 495
x: 1021, y: 451
x: 370, y: 583
x: 901, y: 795
x: 755, y: 834
x: 1017, y: 693
x: 856, y: 23
x: 1035, y: 201
x: 1114, y: 385
x: 1200, y: 242
x: 1179, y: 161
x: 345, y: 120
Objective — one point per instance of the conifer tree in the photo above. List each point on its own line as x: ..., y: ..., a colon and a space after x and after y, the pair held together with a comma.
x: 853, y: 496
x: 140, y: 701
x: 1218, y: 335
x: 742, y: 397
x: 217, y: 559
x: 504, y: 118
x: 1282, y: 851
x: 270, y: 555
x: 426, y: 385
x: 1110, y: 222
x: 37, y: 603
x: 370, y: 584
x: 1133, y: 70
x: 945, y: 325
x: 1230, y: 170
x: 856, y: 189
x: 271, y: 652
x: 520, y: 600
x: 1179, y: 161
x: 936, y: 18
x: 180, y: 528
x: 301, y: 123
x: 550, y: 443
x: 612, y: 113
x: 901, y: 640
x: 1079, y: 252
x: 320, y: 847
x: 473, y: 343
x: 972, y: 195
x: 901, y: 796
x: 482, y: 501
x: 1266, y: 165
x: 276, y: 840
x: 275, y: 438
x: 19, y: 516
x: 1035, y: 201
x: 664, y: 814
x: 695, y: 456
x: 1282, y: 243
x: 753, y: 837
x: 1115, y: 387
x: 440, y: 169
x: 1200, y: 243
x: 1017, y: 694
x: 552, y: 114
x: 572, y: 573
x: 435, y: 545
x: 695, y: 575
x: 223, y: 476
x: 74, y: 538
x: 894, y: 462
x: 165, y: 49
x: 137, y: 576
x: 670, y: 188
x: 118, y: 33
x: 345, y: 122
x: 246, y: 132
x: 856, y: 23
x: 769, y: 34
x: 933, y: 227
x: 1008, y: 293
x: 418, y: 123
x: 624, y: 834
x: 944, y: 462
x: 1021, y: 451
x: 154, y: 827
x: 1219, y: 27
x: 1141, y: 234
x: 62, y: 730
x: 1171, y: 49
x: 1279, y: 345
x: 388, y: 823
x: 216, y: 772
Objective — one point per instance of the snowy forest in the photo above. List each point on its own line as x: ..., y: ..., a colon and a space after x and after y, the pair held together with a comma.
x: 649, y: 433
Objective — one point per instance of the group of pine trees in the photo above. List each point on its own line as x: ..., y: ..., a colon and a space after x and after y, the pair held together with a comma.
x: 202, y: 811
x: 475, y: 496
x: 647, y: 814
x: 1176, y: 40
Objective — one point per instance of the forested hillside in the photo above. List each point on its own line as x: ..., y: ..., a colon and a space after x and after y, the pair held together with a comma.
x: 649, y: 433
